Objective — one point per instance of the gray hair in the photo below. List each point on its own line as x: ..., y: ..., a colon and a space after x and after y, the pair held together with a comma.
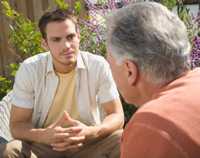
x: 152, y: 37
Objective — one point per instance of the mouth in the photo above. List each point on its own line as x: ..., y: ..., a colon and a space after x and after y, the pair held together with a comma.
x: 68, y: 54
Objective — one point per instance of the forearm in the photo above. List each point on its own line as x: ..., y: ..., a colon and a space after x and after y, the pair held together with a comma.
x: 110, y: 124
x: 25, y: 131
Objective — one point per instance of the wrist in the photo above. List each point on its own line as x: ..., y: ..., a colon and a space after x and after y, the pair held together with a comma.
x: 98, y: 131
x: 39, y: 135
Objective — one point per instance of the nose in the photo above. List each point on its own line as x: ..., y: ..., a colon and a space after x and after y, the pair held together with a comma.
x: 66, y: 44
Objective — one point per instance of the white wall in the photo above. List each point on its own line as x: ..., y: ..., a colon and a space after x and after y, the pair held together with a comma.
x: 194, y: 8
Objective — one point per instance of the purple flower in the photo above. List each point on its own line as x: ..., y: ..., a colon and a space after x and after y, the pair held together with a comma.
x: 96, y: 24
x: 195, y: 54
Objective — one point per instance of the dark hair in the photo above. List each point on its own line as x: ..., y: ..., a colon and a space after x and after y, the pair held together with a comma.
x: 58, y: 15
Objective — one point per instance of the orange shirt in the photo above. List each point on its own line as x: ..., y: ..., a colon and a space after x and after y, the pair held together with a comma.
x: 168, y: 126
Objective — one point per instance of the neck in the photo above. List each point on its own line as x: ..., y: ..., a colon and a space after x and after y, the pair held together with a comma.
x: 146, y: 92
x: 64, y: 69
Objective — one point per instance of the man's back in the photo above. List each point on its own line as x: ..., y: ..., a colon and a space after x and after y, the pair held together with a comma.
x: 169, y: 124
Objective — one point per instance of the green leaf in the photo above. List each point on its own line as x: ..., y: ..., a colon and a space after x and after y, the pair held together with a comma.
x: 170, y: 4
x: 61, y: 4
x: 77, y: 7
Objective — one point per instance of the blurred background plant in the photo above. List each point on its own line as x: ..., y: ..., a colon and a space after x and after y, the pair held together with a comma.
x: 25, y: 37
x: 192, y: 23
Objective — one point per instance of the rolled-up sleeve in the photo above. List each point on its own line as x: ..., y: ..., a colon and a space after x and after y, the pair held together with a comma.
x: 107, y: 90
x: 23, y: 95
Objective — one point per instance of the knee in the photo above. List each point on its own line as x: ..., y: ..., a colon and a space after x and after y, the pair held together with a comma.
x: 114, y: 139
x: 11, y: 149
x: 117, y: 135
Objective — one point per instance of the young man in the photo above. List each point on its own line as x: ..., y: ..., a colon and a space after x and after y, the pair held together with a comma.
x: 148, y: 50
x: 64, y: 102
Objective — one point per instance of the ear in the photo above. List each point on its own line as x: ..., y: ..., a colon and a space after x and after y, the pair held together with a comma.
x: 132, y: 72
x: 44, y: 44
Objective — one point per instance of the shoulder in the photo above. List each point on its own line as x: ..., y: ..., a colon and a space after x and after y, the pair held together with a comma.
x: 36, y: 62
x: 34, y: 66
x: 93, y: 58
x: 36, y: 59
x: 153, y: 114
x: 96, y: 64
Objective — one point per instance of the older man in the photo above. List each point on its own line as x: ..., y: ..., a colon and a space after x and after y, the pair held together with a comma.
x: 148, y: 50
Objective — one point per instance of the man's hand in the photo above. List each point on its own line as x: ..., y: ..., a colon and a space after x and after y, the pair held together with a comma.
x: 58, y: 134
x: 22, y: 128
x: 64, y: 138
x: 76, y: 138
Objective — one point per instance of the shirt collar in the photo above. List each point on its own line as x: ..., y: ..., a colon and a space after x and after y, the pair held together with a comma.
x: 49, y: 63
x: 80, y: 62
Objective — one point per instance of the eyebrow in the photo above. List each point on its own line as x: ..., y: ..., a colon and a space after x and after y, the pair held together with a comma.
x: 55, y: 37
x: 70, y: 34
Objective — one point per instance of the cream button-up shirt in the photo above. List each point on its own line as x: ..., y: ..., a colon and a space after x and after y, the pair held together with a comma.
x: 36, y: 83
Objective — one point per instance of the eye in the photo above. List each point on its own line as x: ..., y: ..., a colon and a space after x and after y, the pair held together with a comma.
x: 70, y: 37
x: 56, y: 39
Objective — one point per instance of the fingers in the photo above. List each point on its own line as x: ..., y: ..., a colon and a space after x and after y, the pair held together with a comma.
x: 69, y: 143
x: 68, y: 120
x: 65, y: 120
x: 70, y: 147
x: 59, y: 122
x: 61, y: 134
x: 75, y: 129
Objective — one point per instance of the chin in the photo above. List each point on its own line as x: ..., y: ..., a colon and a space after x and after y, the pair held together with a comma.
x: 130, y: 101
x: 69, y: 62
x: 127, y: 100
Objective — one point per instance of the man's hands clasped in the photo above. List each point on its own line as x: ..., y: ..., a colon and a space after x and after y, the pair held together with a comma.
x: 68, y: 134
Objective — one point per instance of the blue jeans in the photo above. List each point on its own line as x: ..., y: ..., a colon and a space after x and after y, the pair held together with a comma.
x: 2, y: 140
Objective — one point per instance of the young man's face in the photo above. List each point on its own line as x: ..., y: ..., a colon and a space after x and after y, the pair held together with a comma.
x: 63, y: 42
